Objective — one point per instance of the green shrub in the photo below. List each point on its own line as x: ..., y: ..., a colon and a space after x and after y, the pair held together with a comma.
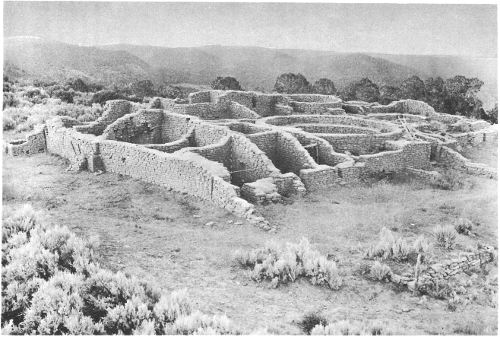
x: 103, y: 96
x: 345, y: 328
x: 396, y: 248
x: 64, y: 95
x: 51, y: 284
x: 26, y: 118
x: 310, y: 321
x: 380, y: 271
x: 463, y: 226
x: 281, y: 265
x: 8, y: 123
x: 445, y: 236
x: 10, y: 100
x: 450, y: 180
x: 57, y: 308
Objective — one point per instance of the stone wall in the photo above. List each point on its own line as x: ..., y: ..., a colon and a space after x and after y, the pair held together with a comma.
x: 402, y: 154
x: 455, y: 160
x: 80, y: 149
x: 432, y: 276
x: 407, y: 106
x: 33, y: 143
x: 143, y: 127
x: 113, y: 110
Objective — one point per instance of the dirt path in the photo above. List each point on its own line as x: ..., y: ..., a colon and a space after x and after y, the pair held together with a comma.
x: 159, y: 235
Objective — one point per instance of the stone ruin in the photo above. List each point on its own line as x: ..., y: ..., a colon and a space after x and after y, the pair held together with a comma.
x: 236, y: 148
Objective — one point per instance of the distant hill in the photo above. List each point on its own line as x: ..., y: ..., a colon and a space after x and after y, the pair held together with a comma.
x: 254, y: 67
x: 36, y: 58
x: 259, y: 67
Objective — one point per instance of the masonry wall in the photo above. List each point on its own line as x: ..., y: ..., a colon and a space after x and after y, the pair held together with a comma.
x: 358, y: 144
x: 219, y: 152
x: 408, y: 106
x: 266, y: 142
x: 248, y: 162
x: 319, y: 149
x: 33, y: 143
x: 175, y: 126
x: 332, y: 128
x: 188, y: 173
x: 78, y: 148
x: 113, y: 110
x: 318, y: 178
x: 291, y: 156
x: 143, y: 127
x: 453, y: 159
x: 401, y: 155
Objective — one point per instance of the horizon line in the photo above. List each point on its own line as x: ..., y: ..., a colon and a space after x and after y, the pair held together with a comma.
x: 248, y: 46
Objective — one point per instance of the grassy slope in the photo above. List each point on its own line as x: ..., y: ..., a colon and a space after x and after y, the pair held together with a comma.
x: 147, y: 231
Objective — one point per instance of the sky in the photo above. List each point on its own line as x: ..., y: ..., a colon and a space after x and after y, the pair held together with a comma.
x: 469, y: 30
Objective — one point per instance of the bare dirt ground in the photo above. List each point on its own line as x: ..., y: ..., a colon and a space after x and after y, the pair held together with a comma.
x: 159, y: 235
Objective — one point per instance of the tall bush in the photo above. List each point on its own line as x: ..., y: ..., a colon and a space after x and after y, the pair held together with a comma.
x: 52, y: 284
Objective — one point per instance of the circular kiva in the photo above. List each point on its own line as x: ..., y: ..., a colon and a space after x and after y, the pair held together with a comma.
x: 344, y: 133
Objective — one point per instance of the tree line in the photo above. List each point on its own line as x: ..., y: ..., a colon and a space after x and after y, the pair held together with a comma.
x: 456, y: 95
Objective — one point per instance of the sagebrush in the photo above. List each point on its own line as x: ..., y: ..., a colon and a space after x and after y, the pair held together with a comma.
x: 283, y: 264
x: 345, y: 328
x: 393, y: 247
x: 445, y: 236
x: 52, y: 284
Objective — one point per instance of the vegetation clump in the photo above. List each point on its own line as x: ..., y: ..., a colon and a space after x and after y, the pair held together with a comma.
x: 310, y: 321
x: 445, y: 236
x: 346, y: 328
x: 282, y: 265
x: 380, y: 272
x: 463, y: 226
x: 52, y: 284
x: 392, y: 247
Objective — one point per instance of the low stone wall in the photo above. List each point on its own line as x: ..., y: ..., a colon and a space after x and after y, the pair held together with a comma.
x: 219, y: 152
x: 316, y: 108
x: 431, y: 277
x: 142, y: 127
x: 221, y: 110
x: 80, y: 149
x: 199, y: 97
x: 113, y: 110
x: 455, y: 160
x: 188, y: 173
x: 262, y: 104
x: 176, y: 126
x: 407, y: 106
x: 488, y: 134
x: 248, y: 163
x: 333, y: 128
x: 316, y: 98
x: 397, y: 116
x: 291, y: 120
x: 358, y: 144
x: 430, y: 177
x: 401, y: 155
x: 262, y: 191
x: 33, y: 143
x: 319, y: 149
x: 239, y: 111
x: 170, y: 147
x: 319, y: 178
